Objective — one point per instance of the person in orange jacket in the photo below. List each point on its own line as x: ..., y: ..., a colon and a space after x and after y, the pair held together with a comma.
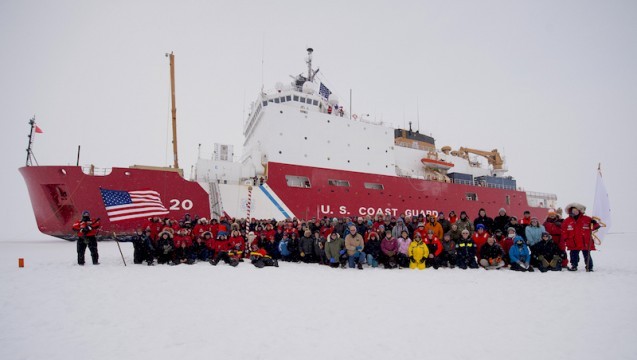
x: 433, y: 224
x: 86, y: 231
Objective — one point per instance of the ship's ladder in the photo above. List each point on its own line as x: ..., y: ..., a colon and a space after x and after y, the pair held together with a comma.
x: 214, y: 198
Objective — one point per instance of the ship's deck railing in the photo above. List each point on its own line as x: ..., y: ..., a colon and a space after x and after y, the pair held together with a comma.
x: 482, y: 184
x: 95, y: 171
x: 541, y: 195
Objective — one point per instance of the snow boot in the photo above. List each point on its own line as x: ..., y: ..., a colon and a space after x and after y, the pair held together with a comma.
x: 360, y: 266
x: 572, y: 268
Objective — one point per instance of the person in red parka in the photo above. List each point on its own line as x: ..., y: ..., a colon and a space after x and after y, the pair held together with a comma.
x: 435, y: 249
x: 86, y: 230
x: 577, y: 232
x: 222, y: 248
x: 480, y: 238
x: 553, y: 226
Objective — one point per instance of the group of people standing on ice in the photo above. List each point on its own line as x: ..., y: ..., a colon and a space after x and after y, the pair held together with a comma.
x: 391, y: 242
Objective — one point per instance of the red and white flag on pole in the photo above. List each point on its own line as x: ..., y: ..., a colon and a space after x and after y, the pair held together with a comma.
x: 38, y: 130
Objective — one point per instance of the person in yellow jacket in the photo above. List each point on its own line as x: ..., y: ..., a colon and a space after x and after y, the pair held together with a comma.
x: 418, y: 253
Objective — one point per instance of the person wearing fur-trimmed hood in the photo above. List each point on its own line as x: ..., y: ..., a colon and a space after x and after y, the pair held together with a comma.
x: 577, y: 232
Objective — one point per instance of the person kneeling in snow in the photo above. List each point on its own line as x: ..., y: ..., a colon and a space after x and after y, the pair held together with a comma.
x: 335, y: 250
x: 183, y: 249
x: 354, y: 245
x: 418, y: 253
x: 466, y: 250
x: 435, y: 249
x: 548, y: 255
x: 520, y: 255
x: 491, y: 255
x: 222, y: 247
x: 165, y: 247
x: 259, y: 258
x: 449, y: 254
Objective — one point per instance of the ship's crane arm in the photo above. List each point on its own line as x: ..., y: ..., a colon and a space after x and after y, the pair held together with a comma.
x: 493, y: 156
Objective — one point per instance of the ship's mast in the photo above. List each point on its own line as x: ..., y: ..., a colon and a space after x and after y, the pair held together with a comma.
x: 174, y: 107
x: 310, y: 73
x: 29, y: 150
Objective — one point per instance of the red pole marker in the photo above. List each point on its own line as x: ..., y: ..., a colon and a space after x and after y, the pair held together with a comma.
x: 21, y: 262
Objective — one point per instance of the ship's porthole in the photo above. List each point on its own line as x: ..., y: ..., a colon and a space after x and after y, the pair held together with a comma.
x: 328, y: 141
x: 305, y: 155
x: 281, y: 111
x: 328, y: 159
x: 348, y: 161
x: 280, y: 134
x: 328, y: 121
x: 368, y: 148
x: 306, y: 138
x: 348, y: 145
x: 280, y: 152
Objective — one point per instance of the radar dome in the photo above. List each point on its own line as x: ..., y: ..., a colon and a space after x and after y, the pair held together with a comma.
x: 309, y: 88
x: 333, y: 100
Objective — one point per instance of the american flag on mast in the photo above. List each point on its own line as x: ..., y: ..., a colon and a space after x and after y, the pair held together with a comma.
x: 125, y: 205
x: 324, y: 91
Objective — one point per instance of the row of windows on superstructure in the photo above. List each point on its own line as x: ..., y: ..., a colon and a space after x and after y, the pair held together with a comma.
x: 296, y: 98
x: 304, y: 182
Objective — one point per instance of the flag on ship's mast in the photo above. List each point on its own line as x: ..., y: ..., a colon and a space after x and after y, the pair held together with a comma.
x: 601, y: 206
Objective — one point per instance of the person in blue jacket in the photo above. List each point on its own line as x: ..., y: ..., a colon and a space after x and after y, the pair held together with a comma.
x: 286, y: 255
x: 520, y: 255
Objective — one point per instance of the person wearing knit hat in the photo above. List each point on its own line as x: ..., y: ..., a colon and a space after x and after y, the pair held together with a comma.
x: 464, y: 223
x: 553, y: 225
x: 306, y: 247
x: 502, y: 220
x: 466, y: 251
x: 446, y: 225
x: 484, y: 220
x: 577, y: 231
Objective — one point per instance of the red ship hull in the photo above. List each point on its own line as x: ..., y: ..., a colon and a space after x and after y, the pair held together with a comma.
x: 59, y: 194
x: 399, y: 195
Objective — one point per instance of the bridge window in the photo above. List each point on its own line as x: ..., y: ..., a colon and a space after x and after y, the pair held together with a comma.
x: 332, y: 182
x: 298, y: 181
x: 315, y: 102
x: 374, y: 186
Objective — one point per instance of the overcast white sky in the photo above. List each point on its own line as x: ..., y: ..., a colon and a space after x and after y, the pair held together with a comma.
x: 552, y: 84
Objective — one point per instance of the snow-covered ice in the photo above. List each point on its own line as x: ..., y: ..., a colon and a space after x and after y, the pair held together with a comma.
x: 55, y: 309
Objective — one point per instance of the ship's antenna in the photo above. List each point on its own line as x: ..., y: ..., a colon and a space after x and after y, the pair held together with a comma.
x: 262, y: 61
x: 309, y: 64
x: 418, y: 114
x: 174, y: 107
x: 30, y: 154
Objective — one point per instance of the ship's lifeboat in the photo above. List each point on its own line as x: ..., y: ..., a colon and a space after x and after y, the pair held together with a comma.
x: 436, y: 164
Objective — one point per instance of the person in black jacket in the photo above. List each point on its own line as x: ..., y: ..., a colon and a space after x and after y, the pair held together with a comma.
x: 501, y: 221
x: 372, y: 249
x: 484, y: 220
x: 491, y: 255
x: 466, y: 251
x: 547, y: 254
x: 165, y: 247
x: 272, y: 248
x: 143, y: 249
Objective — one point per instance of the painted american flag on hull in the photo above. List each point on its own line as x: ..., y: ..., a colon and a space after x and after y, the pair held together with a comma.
x: 125, y: 205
